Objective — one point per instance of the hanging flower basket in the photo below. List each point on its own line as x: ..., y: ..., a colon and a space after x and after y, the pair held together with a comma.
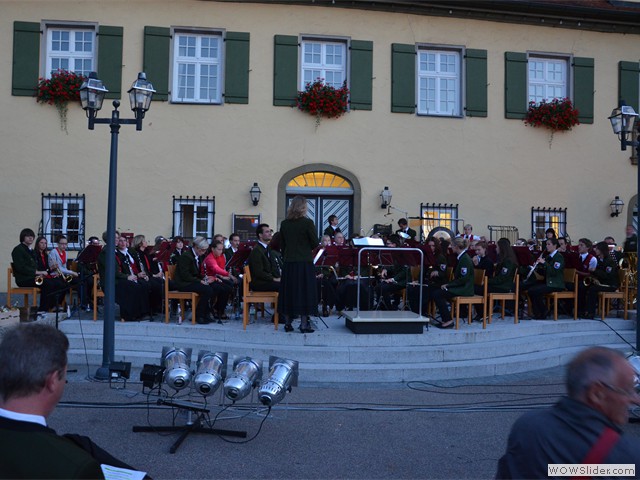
x: 558, y: 115
x: 321, y: 100
x: 63, y: 87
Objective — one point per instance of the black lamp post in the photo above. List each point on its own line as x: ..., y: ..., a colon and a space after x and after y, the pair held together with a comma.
x: 92, y: 94
x: 622, y: 120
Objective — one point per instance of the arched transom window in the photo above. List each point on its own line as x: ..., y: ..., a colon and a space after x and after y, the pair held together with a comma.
x: 319, y: 182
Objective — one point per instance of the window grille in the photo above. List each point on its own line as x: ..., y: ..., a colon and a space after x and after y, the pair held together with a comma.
x: 544, y: 218
x: 440, y: 216
x: 63, y: 215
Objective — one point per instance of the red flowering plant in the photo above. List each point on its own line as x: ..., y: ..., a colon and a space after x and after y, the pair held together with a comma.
x: 63, y: 87
x: 322, y: 100
x: 556, y: 115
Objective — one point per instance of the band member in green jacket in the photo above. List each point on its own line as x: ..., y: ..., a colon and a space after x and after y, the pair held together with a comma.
x: 460, y: 286
x: 552, y: 266
x: 604, y: 278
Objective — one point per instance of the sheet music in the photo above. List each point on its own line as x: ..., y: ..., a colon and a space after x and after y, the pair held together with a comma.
x: 117, y: 473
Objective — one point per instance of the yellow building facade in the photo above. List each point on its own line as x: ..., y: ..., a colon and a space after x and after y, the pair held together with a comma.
x: 191, y: 167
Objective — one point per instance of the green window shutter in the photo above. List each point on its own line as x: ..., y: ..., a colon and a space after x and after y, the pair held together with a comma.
x: 361, y: 74
x: 403, y: 78
x: 236, y: 66
x: 583, y: 88
x: 110, y: 59
x: 515, y: 94
x: 26, y: 58
x: 476, y: 82
x: 157, y: 42
x: 285, y: 70
x: 628, y: 83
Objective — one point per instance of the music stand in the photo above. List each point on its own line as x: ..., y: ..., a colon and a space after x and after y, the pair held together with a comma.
x: 163, y: 253
x: 236, y: 262
x: 88, y: 260
x: 192, y: 426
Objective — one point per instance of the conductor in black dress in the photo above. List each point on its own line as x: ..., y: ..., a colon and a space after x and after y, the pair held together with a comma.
x: 298, y: 295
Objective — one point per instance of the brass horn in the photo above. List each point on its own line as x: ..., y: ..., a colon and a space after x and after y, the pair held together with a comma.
x: 39, y: 280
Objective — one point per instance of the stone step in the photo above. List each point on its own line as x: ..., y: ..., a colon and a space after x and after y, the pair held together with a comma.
x: 335, y: 354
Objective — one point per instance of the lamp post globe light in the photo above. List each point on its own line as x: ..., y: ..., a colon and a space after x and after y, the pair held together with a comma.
x: 623, y: 119
x: 92, y: 94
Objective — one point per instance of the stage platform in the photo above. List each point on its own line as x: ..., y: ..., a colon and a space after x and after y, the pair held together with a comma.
x: 334, y: 354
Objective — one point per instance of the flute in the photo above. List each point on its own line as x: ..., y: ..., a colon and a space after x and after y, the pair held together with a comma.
x: 533, y: 267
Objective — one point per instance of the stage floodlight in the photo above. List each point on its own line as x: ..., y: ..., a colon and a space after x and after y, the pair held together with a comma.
x: 283, y: 374
x: 211, y: 372
x: 151, y: 375
x: 246, y: 375
x: 176, y: 362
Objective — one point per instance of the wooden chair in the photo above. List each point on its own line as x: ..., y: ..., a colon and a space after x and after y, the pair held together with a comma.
x: 604, y: 298
x: 479, y: 279
x: 97, y: 292
x: 180, y: 296
x: 256, y: 297
x: 26, y: 291
x: 503, y: 298
x: 570, y: 275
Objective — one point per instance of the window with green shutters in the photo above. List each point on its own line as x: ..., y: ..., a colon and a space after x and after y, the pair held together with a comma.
x: 451, y: 81
x: 629, y: 84
x: 207, y: 66
x: 533, y: 77
x: 334, y: 60
x: 67, y: 48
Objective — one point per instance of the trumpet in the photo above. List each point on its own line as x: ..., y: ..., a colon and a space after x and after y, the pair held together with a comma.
x: 39, y: 280
x: 66, y: 278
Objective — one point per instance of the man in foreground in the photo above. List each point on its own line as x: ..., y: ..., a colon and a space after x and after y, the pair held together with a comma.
x: 583, y: 427
x: 32, y: 379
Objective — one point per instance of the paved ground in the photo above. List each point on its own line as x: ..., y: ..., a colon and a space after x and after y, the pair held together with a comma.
x: 456, y: 429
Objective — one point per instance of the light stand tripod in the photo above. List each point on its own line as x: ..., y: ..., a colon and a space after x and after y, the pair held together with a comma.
x: 192, y: 426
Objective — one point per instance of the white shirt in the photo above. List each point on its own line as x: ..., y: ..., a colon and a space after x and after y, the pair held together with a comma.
x: 23, y: 417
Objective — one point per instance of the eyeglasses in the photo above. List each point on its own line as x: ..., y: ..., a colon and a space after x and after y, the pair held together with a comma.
x: 62, y: 243
x: 621, y: 391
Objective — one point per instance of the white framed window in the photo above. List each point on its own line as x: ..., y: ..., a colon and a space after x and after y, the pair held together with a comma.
x: 70, y: 48
x: 63, y: 215
x: 193, y: 217
x: 325, y: 59
x: 197, y: 67
x: 548, y: 78
x: 439, y: 81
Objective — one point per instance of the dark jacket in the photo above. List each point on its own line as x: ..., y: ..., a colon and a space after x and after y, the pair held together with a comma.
x: 260, y: 265
x: 607, y: 272
x: 331, y: 232
x: 187, y: 271
x: 554, y: 271
x: 24, y: 265
x: 505, y: 273
x: 463, y: 276
x: 563, y: 433
x: 30, y: 450
x: 298, y: 239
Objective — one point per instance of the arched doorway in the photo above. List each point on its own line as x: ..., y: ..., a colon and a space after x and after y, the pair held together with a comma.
x: 329, y: 190
x: 632, y: 212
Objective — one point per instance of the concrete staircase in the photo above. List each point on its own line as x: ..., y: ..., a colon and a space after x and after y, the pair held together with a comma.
x: 333, y: 354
